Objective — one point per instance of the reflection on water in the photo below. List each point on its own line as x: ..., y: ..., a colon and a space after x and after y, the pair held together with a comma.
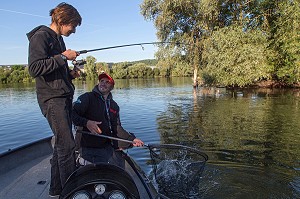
x: 251, y: 136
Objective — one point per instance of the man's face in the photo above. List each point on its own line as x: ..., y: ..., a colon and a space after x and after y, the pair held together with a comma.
x: 104, y: 85
x: 67, y: 30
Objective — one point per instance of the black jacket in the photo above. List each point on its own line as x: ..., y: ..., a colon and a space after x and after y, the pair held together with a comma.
x: 91, y: 106
x: 50, y: 70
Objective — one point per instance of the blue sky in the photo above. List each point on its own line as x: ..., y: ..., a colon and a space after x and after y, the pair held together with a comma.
x: 105, y: 23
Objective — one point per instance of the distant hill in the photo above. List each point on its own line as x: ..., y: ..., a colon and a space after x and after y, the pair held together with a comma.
x: 148, y: 62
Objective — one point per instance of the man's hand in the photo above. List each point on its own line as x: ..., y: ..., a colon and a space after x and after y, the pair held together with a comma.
x: 93, y: 126
x: 137, y: 142
x: 70, y: 54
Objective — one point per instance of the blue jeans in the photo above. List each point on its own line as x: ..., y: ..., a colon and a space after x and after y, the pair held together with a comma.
x: 58, y: 113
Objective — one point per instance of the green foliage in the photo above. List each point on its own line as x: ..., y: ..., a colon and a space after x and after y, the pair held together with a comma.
x: 139, y: 70
x: 16, y: 76
x: 181, y: 69
x: 164, y: 68
x: 286, y: 42
x: 156, y: 72
x: 136, y: 70
x: 235, y: 57
x: 102, y: 66
x: 4, y: 74
x: 26, y: 76
x: 90, y: 68
x: 179, y: 21
x: 149, y: 72
x: 17, y: 67
x: 17, y: 73
x: 234, y: 43
x: 120, y: 70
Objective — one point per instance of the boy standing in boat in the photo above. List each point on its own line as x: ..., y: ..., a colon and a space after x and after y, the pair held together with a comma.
x: 97, y: 112
x: 47, y: 61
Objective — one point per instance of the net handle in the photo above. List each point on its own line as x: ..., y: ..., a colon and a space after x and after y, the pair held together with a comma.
x: 152, y: 146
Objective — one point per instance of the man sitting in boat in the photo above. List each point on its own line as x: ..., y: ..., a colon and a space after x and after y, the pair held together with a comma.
x: 98, y: 114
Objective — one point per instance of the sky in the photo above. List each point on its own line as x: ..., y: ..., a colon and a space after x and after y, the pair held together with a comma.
x: 104, y: 23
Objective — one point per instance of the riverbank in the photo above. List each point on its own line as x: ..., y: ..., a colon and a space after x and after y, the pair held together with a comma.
x: 275, y: 84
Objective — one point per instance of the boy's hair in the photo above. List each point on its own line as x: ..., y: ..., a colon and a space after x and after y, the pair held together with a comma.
x: 65, y: 14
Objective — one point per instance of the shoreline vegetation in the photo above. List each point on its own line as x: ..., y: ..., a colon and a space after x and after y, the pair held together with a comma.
x: 127, y: 70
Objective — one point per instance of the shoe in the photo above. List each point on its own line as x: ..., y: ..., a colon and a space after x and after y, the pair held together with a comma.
x: 53, y: 195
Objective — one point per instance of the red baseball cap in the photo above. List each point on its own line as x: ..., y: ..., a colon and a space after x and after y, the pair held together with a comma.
x: 102, y: 75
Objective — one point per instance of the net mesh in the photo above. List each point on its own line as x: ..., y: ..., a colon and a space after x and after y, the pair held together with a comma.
x: 177, y: 169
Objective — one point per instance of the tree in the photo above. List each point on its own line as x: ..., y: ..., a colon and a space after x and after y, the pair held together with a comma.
x: 192, y: 22
x: 286, y: 41
x: 102, y: 66
x: 178, y: 21
x: 138, y: 70
x: 4, y: 74
x: 120, y: 70
x: 90, y: 68
x: 17, y: 67
x: 156, y: 72
x: 235, y: 57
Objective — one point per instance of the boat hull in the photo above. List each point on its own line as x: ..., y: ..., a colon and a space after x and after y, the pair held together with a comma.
x: 25, y: 174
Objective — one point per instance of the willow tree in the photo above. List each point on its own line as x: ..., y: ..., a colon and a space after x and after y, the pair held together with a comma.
x: 182, y: 21
x: 194, y: 21
x: 236, y: 58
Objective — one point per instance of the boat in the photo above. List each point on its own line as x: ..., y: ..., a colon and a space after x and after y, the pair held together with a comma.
x: 25, y: 174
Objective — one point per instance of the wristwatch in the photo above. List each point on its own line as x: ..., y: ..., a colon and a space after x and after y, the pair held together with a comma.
x: 64, y: 57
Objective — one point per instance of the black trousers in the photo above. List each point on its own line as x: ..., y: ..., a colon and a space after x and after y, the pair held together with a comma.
x: 58, y: 113
x: 106, y: 154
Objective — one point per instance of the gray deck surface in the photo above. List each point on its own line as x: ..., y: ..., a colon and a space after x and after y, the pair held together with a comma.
x: 29, y: 181
x: 25, y: 173
x: 32, y: 180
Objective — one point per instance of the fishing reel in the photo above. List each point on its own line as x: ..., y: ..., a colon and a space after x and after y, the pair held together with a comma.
x: 79, y: 64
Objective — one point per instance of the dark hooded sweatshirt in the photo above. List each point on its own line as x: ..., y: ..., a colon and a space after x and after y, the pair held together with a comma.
x: 91, y: 106
x: 46, y: 65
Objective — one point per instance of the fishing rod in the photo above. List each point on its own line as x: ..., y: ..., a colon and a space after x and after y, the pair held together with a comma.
x: 109, y: 137
x: 127, y: 45
x: 151, y: 147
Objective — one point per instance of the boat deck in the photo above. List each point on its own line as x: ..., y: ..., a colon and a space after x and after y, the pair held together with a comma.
x: 28, y: 181
x: 25, y: 173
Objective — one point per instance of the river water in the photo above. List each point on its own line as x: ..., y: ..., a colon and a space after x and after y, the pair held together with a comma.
x: 252, y: 137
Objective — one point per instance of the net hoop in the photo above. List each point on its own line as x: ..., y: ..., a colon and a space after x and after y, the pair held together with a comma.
x: 177, y: 169
x: 152, y: 148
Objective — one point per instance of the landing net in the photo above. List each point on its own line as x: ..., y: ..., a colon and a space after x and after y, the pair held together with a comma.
x: 177, y: 169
